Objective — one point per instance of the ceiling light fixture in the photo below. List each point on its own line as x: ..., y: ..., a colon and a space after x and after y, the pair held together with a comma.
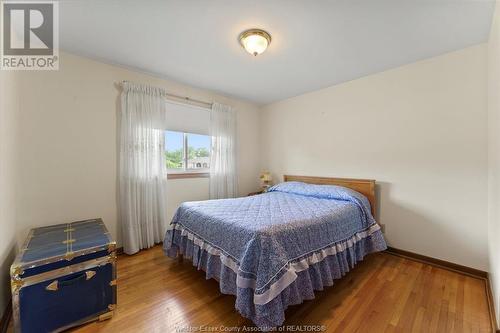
x: 255, y: 41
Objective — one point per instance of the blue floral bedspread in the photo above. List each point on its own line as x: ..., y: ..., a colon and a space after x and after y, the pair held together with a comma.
x: 265, y: 242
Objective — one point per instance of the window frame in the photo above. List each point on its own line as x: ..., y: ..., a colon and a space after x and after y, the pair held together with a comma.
x: 187, y: 172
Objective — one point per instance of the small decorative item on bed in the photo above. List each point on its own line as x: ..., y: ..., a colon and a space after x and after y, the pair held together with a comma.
x: 275, y: 249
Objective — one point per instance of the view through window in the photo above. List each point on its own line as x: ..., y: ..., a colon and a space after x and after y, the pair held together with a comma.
x: 187, y: 152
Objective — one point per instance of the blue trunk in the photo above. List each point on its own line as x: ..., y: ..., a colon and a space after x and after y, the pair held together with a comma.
x: 64, y: 276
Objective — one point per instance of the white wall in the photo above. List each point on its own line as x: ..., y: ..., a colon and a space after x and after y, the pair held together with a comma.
x: 419, y: 130
x: 494, y: 158
x: 68, y: 140
x: 8, y: 148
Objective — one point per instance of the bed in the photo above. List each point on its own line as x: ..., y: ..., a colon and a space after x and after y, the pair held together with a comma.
x: 275, y: 249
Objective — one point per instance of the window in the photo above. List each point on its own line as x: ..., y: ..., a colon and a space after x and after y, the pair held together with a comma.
x: 174, y: 150
x: 187, y: 153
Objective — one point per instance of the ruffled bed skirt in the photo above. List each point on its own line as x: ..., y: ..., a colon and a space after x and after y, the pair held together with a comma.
x: 266, y: 316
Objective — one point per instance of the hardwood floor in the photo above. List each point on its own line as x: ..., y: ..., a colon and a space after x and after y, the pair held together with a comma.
x: 384, y: 293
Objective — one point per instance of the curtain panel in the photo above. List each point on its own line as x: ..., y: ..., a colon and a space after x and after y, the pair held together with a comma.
x: 142, y: 170
x: 223, y: 175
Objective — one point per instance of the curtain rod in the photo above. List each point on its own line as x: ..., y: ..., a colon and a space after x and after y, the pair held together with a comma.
x: 185, y: 99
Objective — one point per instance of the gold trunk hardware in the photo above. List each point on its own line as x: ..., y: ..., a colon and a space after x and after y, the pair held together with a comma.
x: 54, y: 286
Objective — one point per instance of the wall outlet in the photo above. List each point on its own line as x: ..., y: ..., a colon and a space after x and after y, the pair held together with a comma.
x: 382, y: 227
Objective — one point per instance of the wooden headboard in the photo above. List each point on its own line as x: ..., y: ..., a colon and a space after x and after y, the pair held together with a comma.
x: 363, y: 186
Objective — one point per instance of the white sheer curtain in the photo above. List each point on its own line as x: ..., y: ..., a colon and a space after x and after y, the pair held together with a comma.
x: 142, y: 167
x: 223, y: 178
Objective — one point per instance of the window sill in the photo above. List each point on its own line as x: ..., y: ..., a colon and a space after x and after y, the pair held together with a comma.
x: 184, y: 175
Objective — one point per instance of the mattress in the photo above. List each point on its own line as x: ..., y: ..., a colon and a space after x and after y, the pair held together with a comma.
x: 274, y: 249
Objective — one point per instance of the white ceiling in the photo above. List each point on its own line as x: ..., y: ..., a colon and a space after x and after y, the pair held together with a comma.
x: 315, y: 44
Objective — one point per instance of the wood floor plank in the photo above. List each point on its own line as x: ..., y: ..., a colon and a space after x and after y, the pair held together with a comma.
x: 384, y: 293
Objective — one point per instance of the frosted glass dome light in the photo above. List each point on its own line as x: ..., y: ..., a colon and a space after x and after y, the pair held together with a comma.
x: 255, y: 41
